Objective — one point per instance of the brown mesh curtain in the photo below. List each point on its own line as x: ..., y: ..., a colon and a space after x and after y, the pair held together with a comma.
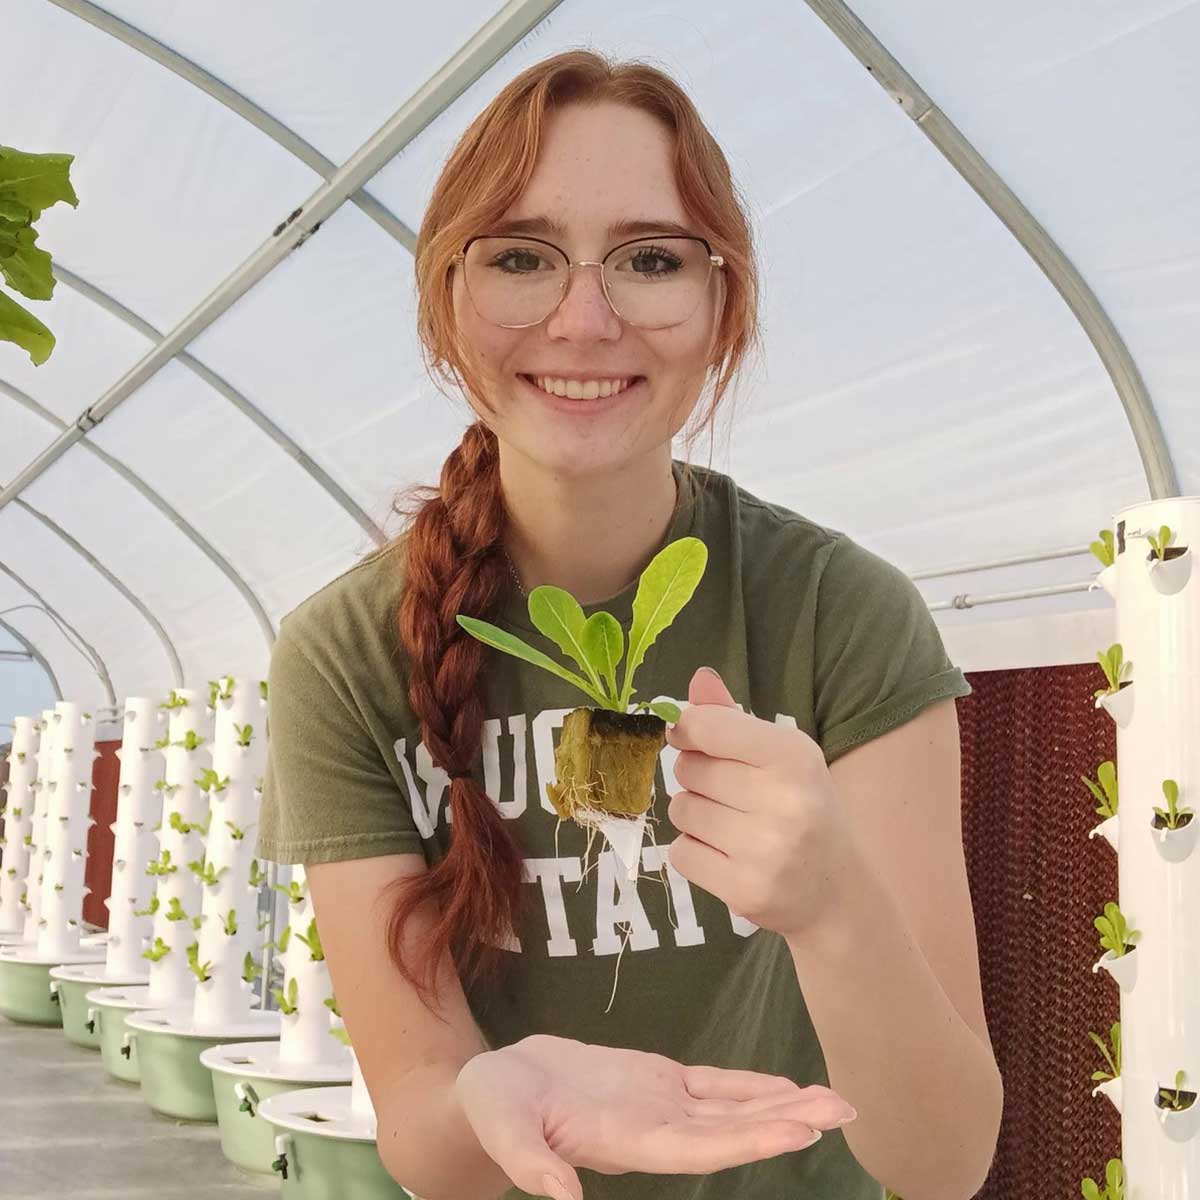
x: 1037, y: 883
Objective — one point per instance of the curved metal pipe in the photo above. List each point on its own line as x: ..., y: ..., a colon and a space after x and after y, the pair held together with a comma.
x: 97, y: 662
x: 38, y: 656
x: 1021, y: 223
x: 154, y: 623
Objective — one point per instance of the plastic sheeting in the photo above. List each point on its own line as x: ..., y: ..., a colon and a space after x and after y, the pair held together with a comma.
x: 925, y: 387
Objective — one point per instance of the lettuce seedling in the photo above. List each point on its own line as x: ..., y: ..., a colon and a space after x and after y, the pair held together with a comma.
x: 229, y: 922
x: 220, y: 689
x: 175, y: 910
x: 1114, y: 934
x: 157, y: 951
x: 161, y: 865
x: 243, y: 734
x: 290, y: 1002
x: 148, y: 912
x: 234, y: 832
x: 1114, y: 1059
x: 1104, y: 549
x: 284, y: 938
x: 201, y: 971
x: 262, y: 688
x: 210, y: 781
x: 313, y: 941
x: 1114, y: 1183
x: 1161, y: 542
x: 257, y: 875
x: 1167, y: 1099
x: 294, y: 891
x: 250, y: 969
x: 1171, y: 816
x: 332, y: 1004
x: 1116, y: 670
x: 1108, y: 798
x: 597, y: 643
x: 175, y: 701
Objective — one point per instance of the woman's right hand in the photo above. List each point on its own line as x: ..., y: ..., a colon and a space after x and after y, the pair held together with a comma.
x: 546, y: 1105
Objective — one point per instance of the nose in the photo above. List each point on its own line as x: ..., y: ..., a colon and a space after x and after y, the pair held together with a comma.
x: 584, y: 310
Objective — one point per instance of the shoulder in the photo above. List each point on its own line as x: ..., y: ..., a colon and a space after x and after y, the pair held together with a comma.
x: 354, y: 614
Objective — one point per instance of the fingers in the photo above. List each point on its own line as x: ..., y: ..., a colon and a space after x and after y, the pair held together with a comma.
x: 823, y: 1110
x: 692, y: 1148
x: 717, y: 1083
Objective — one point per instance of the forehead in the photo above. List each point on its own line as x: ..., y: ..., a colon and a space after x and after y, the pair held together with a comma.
x: 602, y: 171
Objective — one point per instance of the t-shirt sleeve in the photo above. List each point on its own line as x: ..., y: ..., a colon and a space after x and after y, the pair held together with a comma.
x: 878, y: 658
x: 327, y: 793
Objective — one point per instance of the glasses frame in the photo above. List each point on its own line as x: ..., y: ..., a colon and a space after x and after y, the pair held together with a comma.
x: 460, y: 258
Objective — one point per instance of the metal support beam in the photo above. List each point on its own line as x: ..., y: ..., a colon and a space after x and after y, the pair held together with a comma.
x: 1041, y: 247
x: 36, y: 654
x: 97, y: 662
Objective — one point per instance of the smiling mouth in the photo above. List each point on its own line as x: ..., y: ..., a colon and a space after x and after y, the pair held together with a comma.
x: 573, y: 385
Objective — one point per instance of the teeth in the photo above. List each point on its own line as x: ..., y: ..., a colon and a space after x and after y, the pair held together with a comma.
x: 580, y: 389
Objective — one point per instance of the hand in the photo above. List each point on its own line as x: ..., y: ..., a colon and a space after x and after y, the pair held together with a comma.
x: 546, y: 1105
x: 759, y: 822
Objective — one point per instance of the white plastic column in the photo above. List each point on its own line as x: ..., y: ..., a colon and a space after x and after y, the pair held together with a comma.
x: 134, y: 841
x: 171, y: 979
x: 239, y: 756
x: 1158, y: 739
x: 47, y: 729
x: 18, y: 823
x: 68, y: 820
x: 306, y: 1035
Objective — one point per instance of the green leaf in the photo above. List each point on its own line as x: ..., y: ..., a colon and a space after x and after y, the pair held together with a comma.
x: 604, y: 644
x: 499, y: 639
x: 665, y: 709
x: 665, y: 587
x: 557, y: 615
x: 20, y: 326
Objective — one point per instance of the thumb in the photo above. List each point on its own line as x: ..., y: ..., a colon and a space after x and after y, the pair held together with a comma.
x: 515, y: 1141
x: 707, y: 687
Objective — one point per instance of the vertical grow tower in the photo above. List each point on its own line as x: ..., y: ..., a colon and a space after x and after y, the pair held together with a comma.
x: 1151, y: 934
x: 54, y: 885
x: 215, y: 948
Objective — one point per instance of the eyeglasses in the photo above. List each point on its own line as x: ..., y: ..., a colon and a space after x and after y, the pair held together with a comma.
x: 653, y: 283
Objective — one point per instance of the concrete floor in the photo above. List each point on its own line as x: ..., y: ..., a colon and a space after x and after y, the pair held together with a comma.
x: 70, y: 1129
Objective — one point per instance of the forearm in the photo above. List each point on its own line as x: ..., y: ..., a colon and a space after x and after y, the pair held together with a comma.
x: 927, y: 1091
x: 427, y: 1145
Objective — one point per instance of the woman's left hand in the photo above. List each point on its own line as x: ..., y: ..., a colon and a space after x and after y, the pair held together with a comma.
x: 760, y: 824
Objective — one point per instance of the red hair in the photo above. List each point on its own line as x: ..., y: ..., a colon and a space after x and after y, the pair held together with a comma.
x: 453, y: 554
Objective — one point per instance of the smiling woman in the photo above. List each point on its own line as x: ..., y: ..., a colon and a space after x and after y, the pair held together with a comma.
x: 586, y: 230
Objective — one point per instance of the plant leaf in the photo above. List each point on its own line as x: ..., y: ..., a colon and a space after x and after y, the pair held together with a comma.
x: 665, y: 709
x: 500, y: 639
x: 556, y: 614
x: 665, y: 587
x: 604, y: 644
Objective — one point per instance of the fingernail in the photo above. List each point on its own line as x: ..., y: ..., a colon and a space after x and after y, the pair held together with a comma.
x: 553, y: 1189
x: 710, y: 671
x: 846, y: 1120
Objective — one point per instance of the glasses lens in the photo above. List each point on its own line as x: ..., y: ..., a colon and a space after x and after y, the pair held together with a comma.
x: 653, y: 283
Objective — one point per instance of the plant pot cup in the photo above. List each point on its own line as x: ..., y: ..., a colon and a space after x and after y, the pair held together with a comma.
x: 1107, y: 829
x: 1106, y: 579
x: 1118, y: 704
x: 605, y: 763
x: 72, y: 1002
x: 320, y: 1154
x: 25, y: 993
x: 118, y: 1047
x: 1180, y: 1126
x: 1170, y: 574
x: 1122, y: 967
x: 240, y: 1086
x: 1112, y: 1089
x: 1174, y: 845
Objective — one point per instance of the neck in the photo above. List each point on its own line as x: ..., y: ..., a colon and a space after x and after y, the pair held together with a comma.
x: 591, y: 535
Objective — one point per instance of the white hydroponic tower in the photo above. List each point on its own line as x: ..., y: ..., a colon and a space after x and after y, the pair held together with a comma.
x: 1156, y: 707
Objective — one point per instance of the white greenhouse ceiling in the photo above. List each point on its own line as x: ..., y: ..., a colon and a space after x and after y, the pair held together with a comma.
x: 981, y: 298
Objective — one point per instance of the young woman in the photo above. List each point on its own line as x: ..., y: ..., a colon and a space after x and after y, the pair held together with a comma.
x: 585, y: 270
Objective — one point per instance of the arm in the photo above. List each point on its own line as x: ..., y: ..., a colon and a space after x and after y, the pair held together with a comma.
x: 409, y: 1058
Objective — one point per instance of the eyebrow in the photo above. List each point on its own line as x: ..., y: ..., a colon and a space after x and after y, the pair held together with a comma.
x: 627, y: 228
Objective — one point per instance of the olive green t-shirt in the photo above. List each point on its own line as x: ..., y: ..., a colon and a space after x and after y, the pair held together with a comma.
x: 805, y: 626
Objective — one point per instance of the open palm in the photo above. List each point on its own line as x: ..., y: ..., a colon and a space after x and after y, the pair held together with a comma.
x: 546, y: 1105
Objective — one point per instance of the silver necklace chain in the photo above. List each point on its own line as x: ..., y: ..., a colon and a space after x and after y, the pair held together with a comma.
x: 512, y: 570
